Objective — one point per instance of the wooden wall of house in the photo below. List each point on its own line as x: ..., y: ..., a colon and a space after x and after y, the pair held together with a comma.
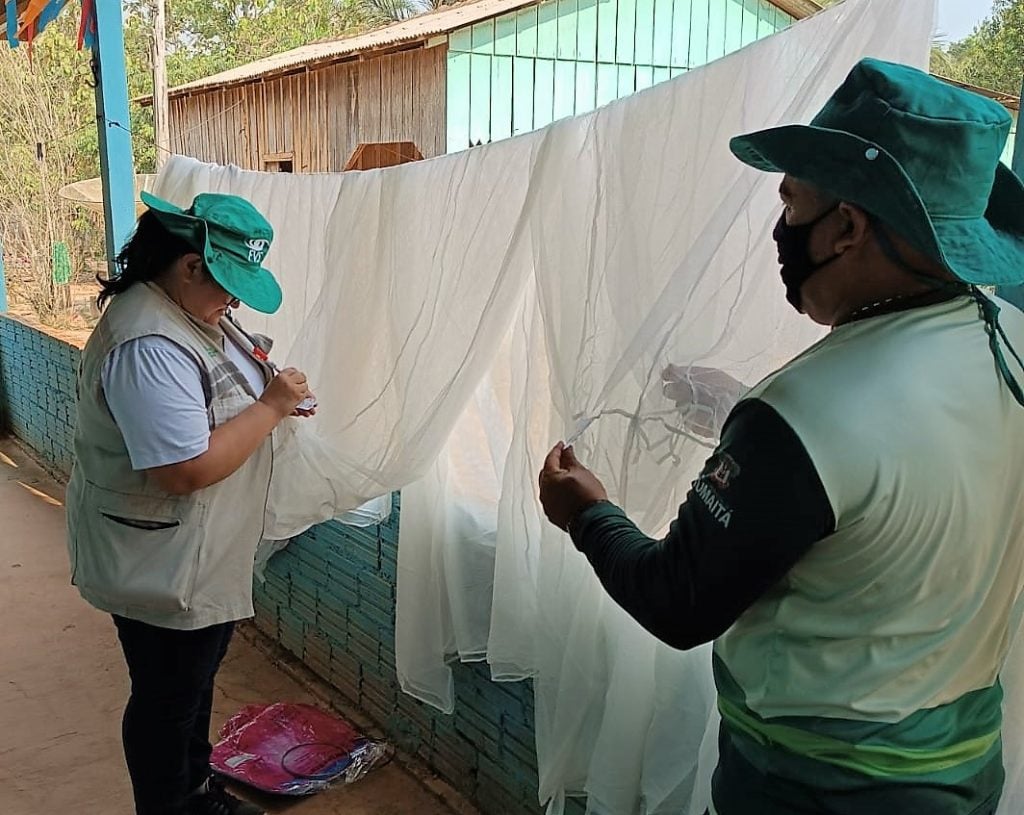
x: 320, y: 116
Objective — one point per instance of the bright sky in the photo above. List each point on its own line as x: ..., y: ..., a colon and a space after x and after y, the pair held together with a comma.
x: 957, y: 18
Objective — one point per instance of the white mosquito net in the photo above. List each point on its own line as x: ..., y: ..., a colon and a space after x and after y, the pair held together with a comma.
x: 458, y: 316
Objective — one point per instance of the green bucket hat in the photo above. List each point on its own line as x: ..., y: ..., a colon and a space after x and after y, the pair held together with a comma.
x: 920, y: 155
x: 233, y: 239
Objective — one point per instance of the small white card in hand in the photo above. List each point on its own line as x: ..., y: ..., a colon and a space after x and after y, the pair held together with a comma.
x: 307, y: 404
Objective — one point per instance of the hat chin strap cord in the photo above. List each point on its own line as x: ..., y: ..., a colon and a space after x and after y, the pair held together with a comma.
x: 988, y: 311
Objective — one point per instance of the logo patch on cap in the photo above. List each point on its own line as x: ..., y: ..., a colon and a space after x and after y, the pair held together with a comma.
x: 257, y: 249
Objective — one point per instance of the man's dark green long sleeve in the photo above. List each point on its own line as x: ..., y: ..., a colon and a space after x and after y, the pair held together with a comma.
x: 756, y: 508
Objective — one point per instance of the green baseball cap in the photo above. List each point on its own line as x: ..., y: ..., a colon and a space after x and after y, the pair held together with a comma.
x: 233, y: 239
x: 919, y: 154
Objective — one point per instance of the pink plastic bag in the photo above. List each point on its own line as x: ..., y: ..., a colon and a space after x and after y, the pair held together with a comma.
x: 291, y: 749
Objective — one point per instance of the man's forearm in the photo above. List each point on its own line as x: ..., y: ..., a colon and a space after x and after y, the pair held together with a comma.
x: 648, y: 578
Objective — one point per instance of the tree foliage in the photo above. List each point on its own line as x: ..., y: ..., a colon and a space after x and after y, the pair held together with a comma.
x: 993, y: 55
x: 48, y: 108
x: 49, y: 138
x: 208, y: 36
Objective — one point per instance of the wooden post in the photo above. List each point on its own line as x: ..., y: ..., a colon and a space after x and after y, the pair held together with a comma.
x: 117, y: 169
x: 161, y: 118
x: 1018, y: 144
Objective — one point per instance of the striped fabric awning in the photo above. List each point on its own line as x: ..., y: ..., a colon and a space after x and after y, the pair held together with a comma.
x: 20, y: 6
x: 24, y: 20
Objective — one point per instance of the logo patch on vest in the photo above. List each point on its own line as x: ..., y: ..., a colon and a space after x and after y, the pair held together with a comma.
x: 257, y: 249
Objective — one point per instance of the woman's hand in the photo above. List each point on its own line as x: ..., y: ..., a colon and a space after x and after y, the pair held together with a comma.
x: 285, y: 392
x: 233, y: 442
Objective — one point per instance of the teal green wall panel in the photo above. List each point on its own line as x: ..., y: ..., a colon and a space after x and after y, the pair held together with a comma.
x: 565, y: 89
x: 607, y: 84
x: 505, y: 36
x: 717, y: 28
x: 625, y: 34
x: 586, y: 31
x: 682, y: 16
x: 661, y: 44
x: 483, y: 37
x: 480, y: 98
x: 501, y: 98
x: 627, y: 80
x: 526, y: 69
x: 765, y: 18
x: 699, y: 29
x: 568, y: 22
x: 607, y: 21
x: 458, y: 101
x: 547, y: 31
x: 461, y: 41
x: 750, y: 22
x: 733, y: 26
x: 644, y: 77
x: 544, y: 93
x: 643, y: 40
x: 522, y: 95
x: 526, y: 33
x: 586, y: 86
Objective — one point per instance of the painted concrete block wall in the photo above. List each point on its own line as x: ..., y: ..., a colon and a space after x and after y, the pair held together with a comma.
x: 37, y: 391
x: 330, y: 600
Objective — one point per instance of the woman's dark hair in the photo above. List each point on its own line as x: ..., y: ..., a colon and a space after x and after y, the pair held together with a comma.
x: 147, y: 255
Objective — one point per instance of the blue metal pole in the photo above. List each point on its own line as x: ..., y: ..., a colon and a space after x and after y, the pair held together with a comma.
x: 1015, y: 295
x: 117, y: 168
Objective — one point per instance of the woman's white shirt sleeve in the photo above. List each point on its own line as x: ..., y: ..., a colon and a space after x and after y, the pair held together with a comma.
x: 154, y: 391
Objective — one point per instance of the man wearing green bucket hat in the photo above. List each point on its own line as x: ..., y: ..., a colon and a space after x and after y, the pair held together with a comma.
x: 855, y: 546
x: 173, y: 457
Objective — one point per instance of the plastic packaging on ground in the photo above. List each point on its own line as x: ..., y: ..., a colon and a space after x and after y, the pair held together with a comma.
x: 294, y: 749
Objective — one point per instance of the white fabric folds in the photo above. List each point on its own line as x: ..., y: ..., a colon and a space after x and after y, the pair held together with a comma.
x: 458, y: 316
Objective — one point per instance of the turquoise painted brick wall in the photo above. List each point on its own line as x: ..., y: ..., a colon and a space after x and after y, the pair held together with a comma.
x: 37, y: 389
x: 330, y: 600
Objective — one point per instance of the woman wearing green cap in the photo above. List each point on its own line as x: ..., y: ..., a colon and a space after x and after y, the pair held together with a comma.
x: 176, y: 407
x: 855, y: 546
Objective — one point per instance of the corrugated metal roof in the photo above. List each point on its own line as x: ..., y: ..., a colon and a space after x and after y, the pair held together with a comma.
x: 418, y: 29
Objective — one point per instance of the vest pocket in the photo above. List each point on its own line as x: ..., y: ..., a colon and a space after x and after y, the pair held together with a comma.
x: 142, y: 523
x: 138, y: 551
